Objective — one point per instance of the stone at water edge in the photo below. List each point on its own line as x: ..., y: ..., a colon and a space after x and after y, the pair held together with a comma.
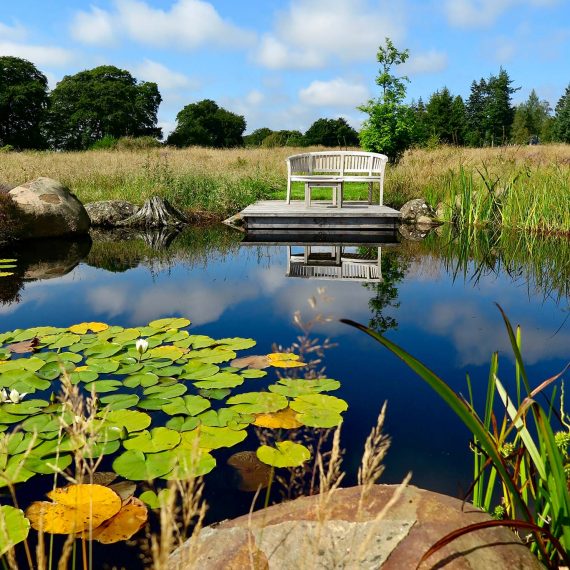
x: 48, y: 209
x: 289, y: 536
x: 418, y: 211
x: 108, y: 213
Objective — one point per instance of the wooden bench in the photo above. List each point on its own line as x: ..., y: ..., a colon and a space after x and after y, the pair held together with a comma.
x: 331, y: 169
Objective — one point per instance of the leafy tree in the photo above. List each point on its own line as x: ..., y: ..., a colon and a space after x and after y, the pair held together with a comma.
x: 389, y: 127
x: 283, y: 138
x: 530, y: 118
x: 420, y: 133
x: 206, y: 124
x: 23, y: 101
x: 256, y: 137
x: 331, y: 132
x: 102, y: 102
x: 562, y: 117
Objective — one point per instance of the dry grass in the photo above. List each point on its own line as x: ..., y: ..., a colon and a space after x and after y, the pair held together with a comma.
x: 224, y: 181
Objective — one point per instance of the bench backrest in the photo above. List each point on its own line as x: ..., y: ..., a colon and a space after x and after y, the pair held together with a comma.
x: 337, y: 162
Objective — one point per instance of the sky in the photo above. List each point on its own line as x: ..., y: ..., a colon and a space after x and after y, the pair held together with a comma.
x: 285, y: 63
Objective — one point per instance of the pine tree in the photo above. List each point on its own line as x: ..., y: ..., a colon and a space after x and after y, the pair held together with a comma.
x: 562, y: 117
x: 530, y: 119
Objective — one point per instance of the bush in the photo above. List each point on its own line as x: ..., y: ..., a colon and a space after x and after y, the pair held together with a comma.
x: 106, y: 143
x: 137, y: 143
x: 7, y: 148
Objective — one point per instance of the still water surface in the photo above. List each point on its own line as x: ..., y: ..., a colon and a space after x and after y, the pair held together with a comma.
x: 434, y: 302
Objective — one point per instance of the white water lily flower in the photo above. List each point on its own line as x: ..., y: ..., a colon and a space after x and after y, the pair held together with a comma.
x: 141, y: 345
x: 16, y: 397
x: 3, y: 396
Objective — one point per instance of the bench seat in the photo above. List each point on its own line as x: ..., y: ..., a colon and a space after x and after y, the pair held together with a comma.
x: 334, y: 169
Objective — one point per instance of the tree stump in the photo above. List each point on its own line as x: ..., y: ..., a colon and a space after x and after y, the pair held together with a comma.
x: 156, y: 213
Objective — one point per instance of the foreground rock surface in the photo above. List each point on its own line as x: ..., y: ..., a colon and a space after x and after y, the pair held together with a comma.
x: 301, y: 534
x: 48, y: 209
x: 109, y: 213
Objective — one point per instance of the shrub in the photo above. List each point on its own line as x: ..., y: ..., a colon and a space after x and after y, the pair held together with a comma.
x: 7, y: 148
x: 106, y: 143
x: 137, y: 143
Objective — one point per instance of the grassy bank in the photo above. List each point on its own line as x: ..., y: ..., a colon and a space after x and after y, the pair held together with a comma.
x: 518, y: 187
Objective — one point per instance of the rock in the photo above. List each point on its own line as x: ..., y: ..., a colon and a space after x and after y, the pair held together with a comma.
x: 413, y: 232
x: 108, y: 213
x: 348, y: 533
x: 48, y: 209
x: 414, y: 209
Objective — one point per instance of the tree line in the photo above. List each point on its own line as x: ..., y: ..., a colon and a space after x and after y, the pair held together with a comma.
x: 96, y: 107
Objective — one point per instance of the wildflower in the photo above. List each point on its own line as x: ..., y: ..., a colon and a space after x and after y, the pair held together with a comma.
x: 141, y: 346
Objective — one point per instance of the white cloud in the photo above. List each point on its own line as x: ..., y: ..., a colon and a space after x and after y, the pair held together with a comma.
x: 254, y: 97
x: 187, y: 24
x: 432, y: 61
x: 14, y: 33
x: 37, y: 54
x: 94, y: 27
x: 337, y: 92
x: 165, y: 78
x: 483, y: 13
x: 312, y: 32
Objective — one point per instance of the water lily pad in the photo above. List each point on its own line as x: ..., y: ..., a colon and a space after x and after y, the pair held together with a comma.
x: 188, y: 464
x: 129, y: 368
x: 283, y: 419
x: 165, y: 392
x: 212, y: 437
x: 144, y: 379
x: 86, y: 327
x: 83, y: 376
x: 15, y: 472
x: 46, y: 465
x: 103, y: 386
x: 253, y: 373
x: 253, y: 474
x: 299, y: 387
x: 135, y: 466
x: 120, y: 401
x: 319, y: 401
x: 126, y: 523
x: 14, y: 528
x: 167, y: 351
x: 103, y: 350
x: 257, y: 402
x: 126, y: 335
x: 237, y: 343
x: 197, y: 370
x: 225, y: 417
x: 215, y: 393
x: 187, y: 405
x: 199, y: 341
x: 154, y: 501
x: 213, y: 355
x: 98, y: 449
x: 284, y: 454
x: 102, y: 365
x: 158, y: 439
x: 26, y: 407
x: 131, y: 420
x: 74, y: 509
x: 221, y: 380
x: 183, y: 423
x: 171, y: 323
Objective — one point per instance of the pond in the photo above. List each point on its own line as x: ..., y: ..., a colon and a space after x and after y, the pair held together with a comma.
x: 436, y: 298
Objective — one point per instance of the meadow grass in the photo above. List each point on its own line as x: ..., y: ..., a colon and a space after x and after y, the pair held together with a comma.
x: 518, y: 187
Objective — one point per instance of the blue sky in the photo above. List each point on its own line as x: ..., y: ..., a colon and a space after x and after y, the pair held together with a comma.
x: 285, y: 63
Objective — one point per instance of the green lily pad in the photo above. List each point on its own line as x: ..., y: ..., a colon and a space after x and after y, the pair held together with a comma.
x: 257, y: 403
x: 213, y: 355
x: 253, y: 373
x: 126, y: 335
x: 319, y: 401
x: 26, y: 407
x: 215, y: 393
x: 120, y: 401
x: 212, y: 437
x: 46, y: 465
x: 187, y: 405
x: 225, y: 417
x: 144, y: 379
x: 103, y: 350
x: 103, y: 386
x: 131, y: 420
x: 220, y: 380
x: 237, y: 343
x: 14, y: 472
x: 197, y: 341
x: 171, y: 323
x: 158, y: 439
x: 197, y: 370
x: 154, y: 501
x: 165, y: 392
x: 83, y: 376
x: 135, y: 466
x: 129, y: 368
x: 284, y: 454
x: 14, y: 528
x: 183, y: 423
x: 188, y: 464
x: 293, y: 388
x: 102, y: 365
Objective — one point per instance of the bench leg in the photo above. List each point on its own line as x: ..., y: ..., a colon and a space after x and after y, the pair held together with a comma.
x: 334, y: 195
x: 339, y: 189
x: 307, y: 195
x: 370, y: 192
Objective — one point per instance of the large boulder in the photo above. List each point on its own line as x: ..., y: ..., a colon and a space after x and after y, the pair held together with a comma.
x: 417, y: 210
x: 48, y: 209
x: 109, y: 213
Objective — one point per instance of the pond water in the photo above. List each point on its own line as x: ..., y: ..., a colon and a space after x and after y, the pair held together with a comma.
x: 436, y: 299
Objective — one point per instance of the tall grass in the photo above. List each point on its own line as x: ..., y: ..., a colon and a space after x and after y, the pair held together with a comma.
x: 224, y: 181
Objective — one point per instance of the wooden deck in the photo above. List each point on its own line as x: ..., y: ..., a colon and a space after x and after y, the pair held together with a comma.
x: 274, y: 215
